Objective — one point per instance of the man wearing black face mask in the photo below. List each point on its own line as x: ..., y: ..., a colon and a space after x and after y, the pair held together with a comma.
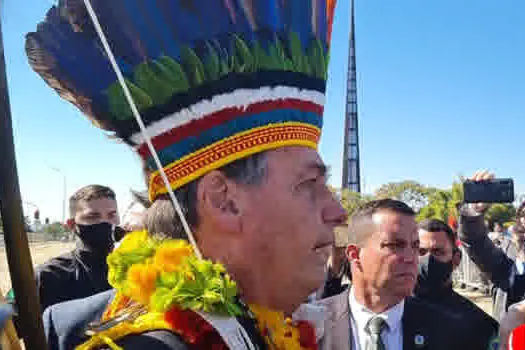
x: 439, y: 256
x: 83, y: 271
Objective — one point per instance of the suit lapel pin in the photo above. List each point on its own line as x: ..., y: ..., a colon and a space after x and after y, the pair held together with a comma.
x: 419, y: 340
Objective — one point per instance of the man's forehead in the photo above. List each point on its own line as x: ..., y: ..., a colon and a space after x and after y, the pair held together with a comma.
x: 433, y: 238
x: 394, y: 225
x: 299, y: 159
x: 97, y: 205
x: 391, y: 218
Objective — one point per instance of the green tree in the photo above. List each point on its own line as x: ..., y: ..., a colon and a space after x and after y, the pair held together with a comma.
x: 352, y: 201
x: 500, y: 213
x: 55, y: 230
x: 438, y: 206
x: 412, y: 193
x: 442, y: 204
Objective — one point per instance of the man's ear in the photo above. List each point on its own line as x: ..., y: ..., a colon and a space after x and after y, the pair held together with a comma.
x: 217, y: 198
x: 70, y: 223
x: 352, y: 255
x: 456, y: 258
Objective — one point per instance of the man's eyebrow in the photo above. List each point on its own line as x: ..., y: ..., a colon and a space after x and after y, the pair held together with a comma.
x: 321, y: 168
x: 91, y: 213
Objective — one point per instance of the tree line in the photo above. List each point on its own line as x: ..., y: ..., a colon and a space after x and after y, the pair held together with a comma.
x: 429, y: 202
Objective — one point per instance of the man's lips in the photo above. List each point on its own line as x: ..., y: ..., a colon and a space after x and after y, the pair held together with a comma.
x: 406, y: 275
x: 324, y: 249
x: 324, y: 244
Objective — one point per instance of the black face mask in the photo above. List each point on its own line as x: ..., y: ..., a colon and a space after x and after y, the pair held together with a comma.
x: 433, y: 274
x: 98, y: 237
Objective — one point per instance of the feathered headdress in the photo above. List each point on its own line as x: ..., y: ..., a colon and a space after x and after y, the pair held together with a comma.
x: 214, y: 80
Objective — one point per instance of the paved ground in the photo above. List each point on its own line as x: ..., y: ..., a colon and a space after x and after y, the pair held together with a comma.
x: 40, y: 252
x: 483, y: 301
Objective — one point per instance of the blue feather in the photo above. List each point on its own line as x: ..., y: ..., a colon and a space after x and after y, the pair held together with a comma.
x: 54, y: 36
x: 155, y: 19
x: 248, y: 9
x: 66, y: 49
x: 121, y: 34
x: 268, y: 15
x: 236, y: 15
x: 319, y: 16
x: 182, y: 23
x: 299, y: 19
x: 145, y: 32
x: 214, y: 17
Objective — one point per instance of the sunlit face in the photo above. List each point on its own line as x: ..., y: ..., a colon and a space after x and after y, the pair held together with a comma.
x: 389, y: 257
x: 97, y: 211
x: 289, y: 222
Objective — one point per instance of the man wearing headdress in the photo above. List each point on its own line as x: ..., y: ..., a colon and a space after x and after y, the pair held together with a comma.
x: 231, y: 94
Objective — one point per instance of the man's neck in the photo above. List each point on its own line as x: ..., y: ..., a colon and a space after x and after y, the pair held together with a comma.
x: 254, y: 287
x: 374, y: 301
x: 251, y: 294
x: 433, y: 292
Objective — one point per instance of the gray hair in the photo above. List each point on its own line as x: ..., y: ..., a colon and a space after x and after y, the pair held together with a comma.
x: 162, y: 220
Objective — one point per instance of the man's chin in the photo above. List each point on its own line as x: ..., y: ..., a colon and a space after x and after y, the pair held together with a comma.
x: 309, y: 283
x: 404, y: 290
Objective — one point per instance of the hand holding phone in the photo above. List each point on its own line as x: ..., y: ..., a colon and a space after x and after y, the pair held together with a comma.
x: 488, y: 191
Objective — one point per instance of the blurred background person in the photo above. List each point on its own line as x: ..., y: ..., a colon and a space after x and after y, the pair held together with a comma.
x: 497, y: 235
x: 133, y: 216
x: 338, y: 268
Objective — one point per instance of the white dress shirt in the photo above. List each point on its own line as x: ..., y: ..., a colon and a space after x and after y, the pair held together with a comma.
x: 359, y: 317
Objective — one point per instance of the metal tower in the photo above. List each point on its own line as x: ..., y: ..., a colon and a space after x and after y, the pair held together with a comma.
x: 351, y: 168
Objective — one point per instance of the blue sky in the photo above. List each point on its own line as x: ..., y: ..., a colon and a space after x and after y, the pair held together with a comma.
x: 440, y: 83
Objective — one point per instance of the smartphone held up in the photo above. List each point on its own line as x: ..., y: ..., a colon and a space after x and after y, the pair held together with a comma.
x: 489, y: 191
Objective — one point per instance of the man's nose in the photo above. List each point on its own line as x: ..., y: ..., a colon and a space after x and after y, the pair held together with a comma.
x: 334, y: 213
x: 411, y: 255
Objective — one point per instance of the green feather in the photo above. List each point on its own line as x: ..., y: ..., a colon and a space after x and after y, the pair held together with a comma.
x: 177, y: 75
x: 212, y: 63
x: 262, y: 59
x: 193, y: 66
x: 243, y: 54
x: 276, y: 56
x: 317, y: 59
x: 118, y: 104
x: 224, y: 67
x: 296, y: 52
x: 158, y: 89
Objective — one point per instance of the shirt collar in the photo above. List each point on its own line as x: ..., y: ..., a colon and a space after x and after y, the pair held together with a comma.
x: 361, y: 313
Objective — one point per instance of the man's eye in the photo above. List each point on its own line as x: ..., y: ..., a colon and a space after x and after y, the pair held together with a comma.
x: 393, y: 245
x: 309, y: 182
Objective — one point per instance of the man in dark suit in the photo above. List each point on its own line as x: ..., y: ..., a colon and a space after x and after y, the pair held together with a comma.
x: 439, y: 256
x: 377, y: 311
x: 65, y: 326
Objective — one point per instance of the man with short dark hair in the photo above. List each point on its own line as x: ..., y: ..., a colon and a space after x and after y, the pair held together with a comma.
x: 378, y: 312
x: 82, y: 272
x: 439, y: 256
